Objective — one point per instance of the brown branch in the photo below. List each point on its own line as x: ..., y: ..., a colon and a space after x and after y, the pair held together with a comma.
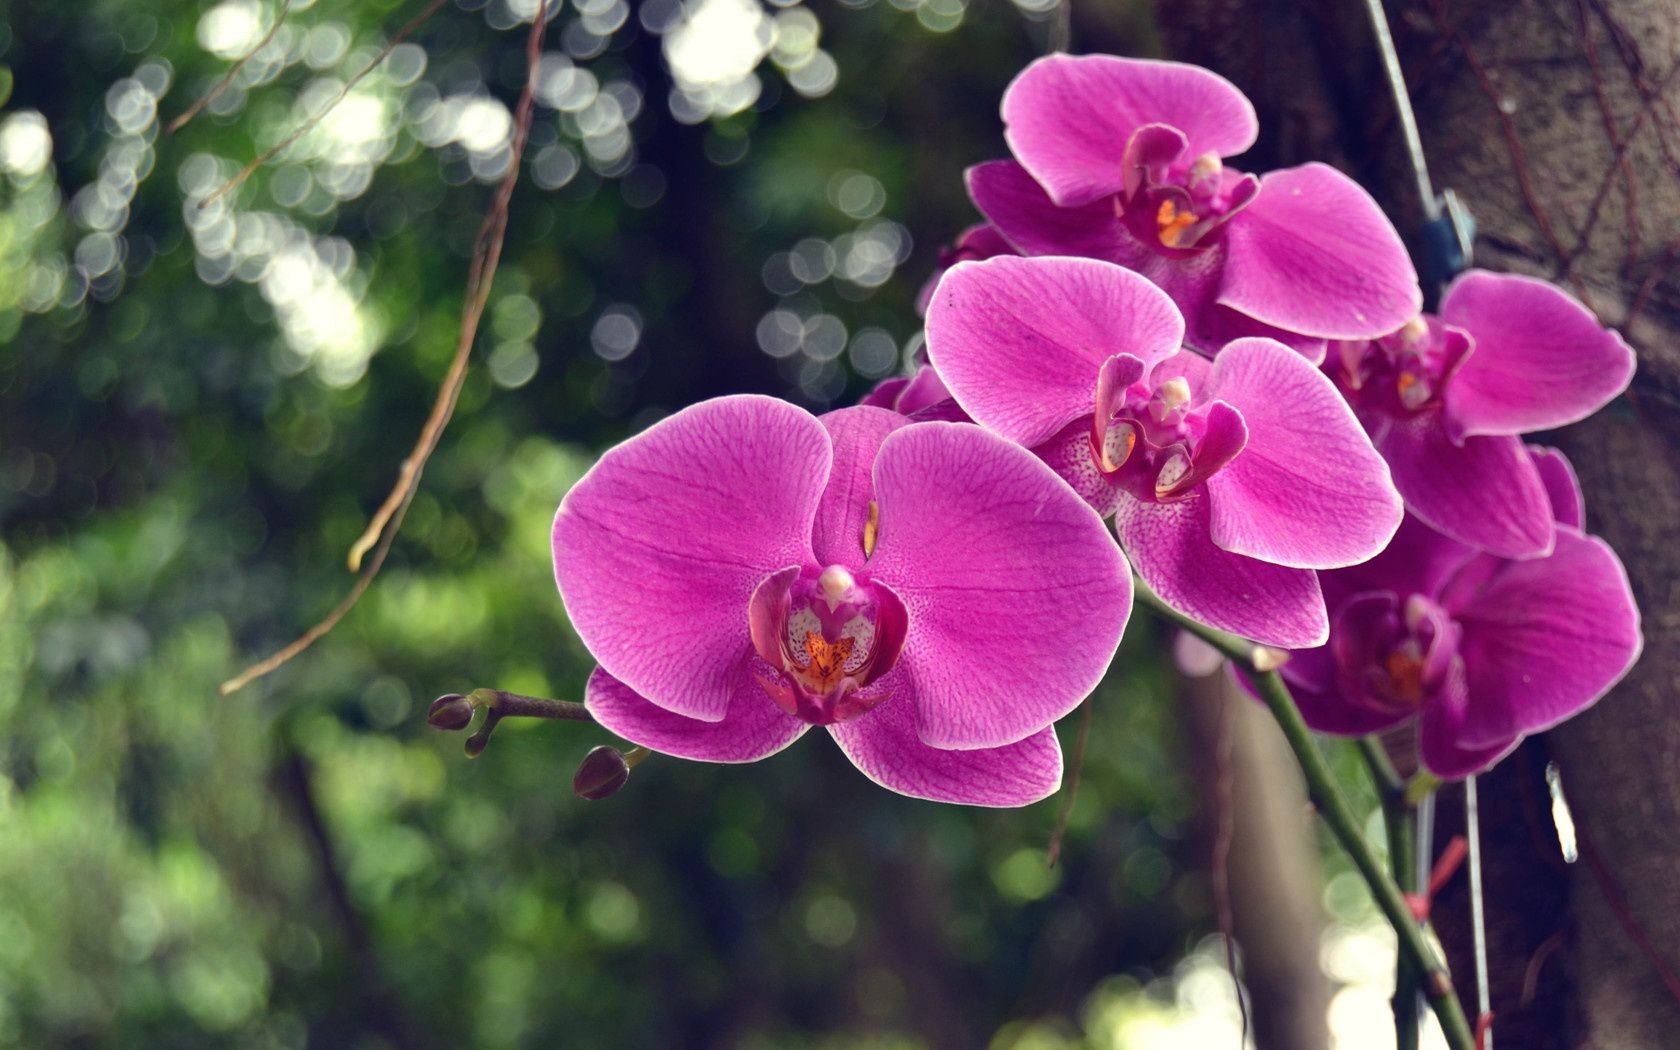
x: 222, y: 85
x: 1627, y: 144
x: 317, y: 632
x: 1519, y: 156
x: 487, y: 254
x: 1630, y: 184
x: 303, y: 129
x: 1054, y: 852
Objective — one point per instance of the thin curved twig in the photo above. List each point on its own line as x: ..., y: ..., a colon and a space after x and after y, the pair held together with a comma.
x: 227, y: 81
x: 487, y: 254
x: 349, y: 85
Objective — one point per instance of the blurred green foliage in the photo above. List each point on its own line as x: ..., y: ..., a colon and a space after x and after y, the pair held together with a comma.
x: 202, y: 405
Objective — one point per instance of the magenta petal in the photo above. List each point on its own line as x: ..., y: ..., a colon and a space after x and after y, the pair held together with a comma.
x: 1440, y: 729
x: 1544, y: 638
x: 658, y: 549
x: 1418, y: 560
x: 857, y: 433
x: 1562, y: 489
x: 1327, y: 710
x: 752, y: 727
x: 1170, y: 547
x: 1308, y: 490
x: 1033, y: 224
x: 1020, y: 342
x: 1016, y: 594
x: 1314, y: 254
x: 1018, y: 206
x: 1068, y: 119
x: 1486, y: 492
x: 1541, y: 359
x: 884, y: 745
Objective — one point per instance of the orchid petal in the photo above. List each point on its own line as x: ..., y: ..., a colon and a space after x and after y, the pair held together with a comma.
x: 1020, y: 342
x: 1308, y: 491
x: 837, y: 536
x: 1314, y: 254
x: 1486, y: 492
x: 1170, y: 545
x: 688, y: 516
x: 1563, y: 490
x: 1068, y: 119
x: 752, y: 727
x: 1544, y: 638
x: 884, y: 745
x: 1542, y: 360
x: 1016, y: 595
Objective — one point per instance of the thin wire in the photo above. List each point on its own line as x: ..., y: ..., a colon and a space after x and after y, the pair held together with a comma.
x: 1403, y: 108
x: 1424, y: 853
x: 1472, y: 824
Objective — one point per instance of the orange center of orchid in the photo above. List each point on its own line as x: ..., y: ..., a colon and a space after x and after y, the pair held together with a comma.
x: 1172, y: 222
x: 828, y: 659
x: 1405, y: 676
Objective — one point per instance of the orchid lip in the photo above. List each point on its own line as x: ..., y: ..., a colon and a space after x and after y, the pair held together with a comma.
x: 826, y: 635
x: 1152, y: 441
x: 1405, y: 373
x: 1395, y: 655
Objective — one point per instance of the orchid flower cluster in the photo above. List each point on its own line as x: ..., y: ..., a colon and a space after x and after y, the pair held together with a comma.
x: 1234, y: 369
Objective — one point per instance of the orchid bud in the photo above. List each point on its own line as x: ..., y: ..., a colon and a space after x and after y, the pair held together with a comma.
x: 450, y: 712
x: 603, y: 771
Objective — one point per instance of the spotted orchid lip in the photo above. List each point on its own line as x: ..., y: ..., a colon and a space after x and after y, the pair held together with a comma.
x: 825, y: 636
x: 1153, y: 438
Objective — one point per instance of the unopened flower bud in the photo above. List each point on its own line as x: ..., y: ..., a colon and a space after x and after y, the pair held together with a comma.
x: 450, y: 712
x: 602, y: 772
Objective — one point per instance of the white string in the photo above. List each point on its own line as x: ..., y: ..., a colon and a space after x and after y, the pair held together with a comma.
x: 1403, y: 108
x: 1472, y: 825
x: 1424, y: 852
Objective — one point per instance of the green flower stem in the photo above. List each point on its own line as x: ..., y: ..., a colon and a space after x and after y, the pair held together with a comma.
x: 1260, y: 662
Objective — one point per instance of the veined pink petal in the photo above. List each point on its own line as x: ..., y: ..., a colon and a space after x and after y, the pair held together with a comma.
x: 1026, y: 217
x: 1020, y: 342
x: 1170, y: 545
x: 752, y: 727
x: 1068, y: 119
x: 885, y: 746
x: 1308, y: 490
x: 1031, y: 221
x: 1016, y: 594
x: 1541, y: 359
x: 857, y: 433
x: 1328, y: 711
x: 1417, y: 560
x: 1486, y: 492
x: 1562, y: 489
x: 1544, y: 638
x: 1314, y: 254
x: 1440, y: 743
x: 657, y: 550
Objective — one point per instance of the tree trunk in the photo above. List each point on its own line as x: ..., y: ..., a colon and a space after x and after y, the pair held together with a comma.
x: 1558, y: 122
x: 1256, y: 800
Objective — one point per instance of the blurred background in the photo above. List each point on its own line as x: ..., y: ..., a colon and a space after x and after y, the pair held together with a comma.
x: 203, y: 402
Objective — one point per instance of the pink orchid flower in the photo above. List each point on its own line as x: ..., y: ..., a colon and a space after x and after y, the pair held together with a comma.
x: 1230, y: 481
x: 1123, y: 160
x: 1445, y: 398
x: 1481, y: 650
x: 930, y: 594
